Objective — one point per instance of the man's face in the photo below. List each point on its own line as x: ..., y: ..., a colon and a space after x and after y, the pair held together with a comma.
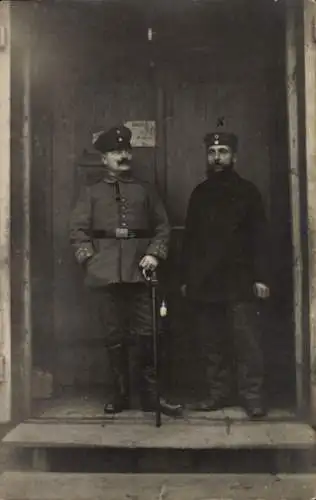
x: 118, y: 161
x: 220, y: 157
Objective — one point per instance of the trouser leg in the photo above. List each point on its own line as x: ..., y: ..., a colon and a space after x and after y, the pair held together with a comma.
x: 113, y: 318
x: 211, y: 332
x: 216, y: 348
x: 120, y: 396
x: 112, y: 314
x: 249, y: 355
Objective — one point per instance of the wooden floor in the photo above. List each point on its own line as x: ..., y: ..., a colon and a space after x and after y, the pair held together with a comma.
x: 91, y: 409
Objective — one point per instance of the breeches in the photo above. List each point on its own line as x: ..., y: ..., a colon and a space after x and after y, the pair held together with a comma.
x: 125, y: 312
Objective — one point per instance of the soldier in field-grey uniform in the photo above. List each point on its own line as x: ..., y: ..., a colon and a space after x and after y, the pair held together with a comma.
x: 119, y: 228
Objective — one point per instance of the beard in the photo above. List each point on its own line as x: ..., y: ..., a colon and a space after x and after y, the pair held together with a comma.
x: 218, y: 168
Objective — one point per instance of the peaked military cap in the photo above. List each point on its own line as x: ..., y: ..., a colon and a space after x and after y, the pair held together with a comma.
x: 114, y: 139
x: 221, y: 139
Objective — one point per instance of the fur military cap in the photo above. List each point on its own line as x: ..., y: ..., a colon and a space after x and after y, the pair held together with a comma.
x: 114, y: 139
x: 221, y: 139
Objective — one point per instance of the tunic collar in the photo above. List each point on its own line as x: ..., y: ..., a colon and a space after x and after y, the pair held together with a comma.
x: 124, y: 178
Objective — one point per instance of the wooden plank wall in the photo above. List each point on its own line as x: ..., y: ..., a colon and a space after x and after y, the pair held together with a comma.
x: 41, y: 208
x: 79, y: 87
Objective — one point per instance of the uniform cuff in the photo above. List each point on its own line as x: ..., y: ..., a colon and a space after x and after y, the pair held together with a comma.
x: 158, y: 249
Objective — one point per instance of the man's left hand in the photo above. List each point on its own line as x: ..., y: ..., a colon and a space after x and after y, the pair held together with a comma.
x: 261, y: 290
x: 148, y: 263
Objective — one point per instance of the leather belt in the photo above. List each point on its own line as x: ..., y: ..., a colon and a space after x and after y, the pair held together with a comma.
x: 121, y: 233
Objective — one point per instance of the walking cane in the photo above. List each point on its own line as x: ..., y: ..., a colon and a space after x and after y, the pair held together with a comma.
x: 154, y: 287
x: 151, y: 278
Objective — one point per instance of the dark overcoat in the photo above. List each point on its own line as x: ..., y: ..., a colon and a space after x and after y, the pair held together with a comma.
x: 225, y: 240
x: 128, y: 204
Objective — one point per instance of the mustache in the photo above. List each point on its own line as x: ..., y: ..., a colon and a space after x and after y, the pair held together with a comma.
x: 124, y: 161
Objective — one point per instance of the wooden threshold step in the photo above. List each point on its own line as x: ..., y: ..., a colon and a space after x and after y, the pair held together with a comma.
x: 172, y: 435
x: 51, y: 486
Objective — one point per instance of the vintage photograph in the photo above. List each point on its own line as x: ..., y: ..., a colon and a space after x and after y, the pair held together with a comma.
x: 157, y: 249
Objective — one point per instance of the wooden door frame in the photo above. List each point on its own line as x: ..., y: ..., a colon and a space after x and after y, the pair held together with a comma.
x: 5, y: 230
x: 308, y: 58
x: 301, y: 106
x: 18, y: 270
x: 303, y: 212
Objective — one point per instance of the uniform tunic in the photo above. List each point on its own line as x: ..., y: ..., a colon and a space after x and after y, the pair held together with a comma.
x: 128, y: 204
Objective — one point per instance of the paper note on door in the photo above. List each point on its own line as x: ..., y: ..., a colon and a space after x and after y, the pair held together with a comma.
x: 143, y: 133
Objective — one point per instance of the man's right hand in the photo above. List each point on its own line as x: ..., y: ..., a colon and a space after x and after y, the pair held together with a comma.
x: 261, y: 290
x: 183, y: 289
x: 83, y: 254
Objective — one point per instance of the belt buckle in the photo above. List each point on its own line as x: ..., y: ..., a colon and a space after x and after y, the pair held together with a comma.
x: 121, y: 232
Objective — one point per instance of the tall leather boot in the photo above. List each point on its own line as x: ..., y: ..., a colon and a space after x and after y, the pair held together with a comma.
x: 120, y: 397
x: 148, y: 382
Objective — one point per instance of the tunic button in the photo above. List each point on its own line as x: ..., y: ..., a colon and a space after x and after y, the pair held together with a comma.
x: 124, y: 224
x: 124, y: 216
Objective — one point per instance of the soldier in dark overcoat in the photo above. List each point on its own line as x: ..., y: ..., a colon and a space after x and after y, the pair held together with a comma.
x: 225, y: 272
x: 119, y: 229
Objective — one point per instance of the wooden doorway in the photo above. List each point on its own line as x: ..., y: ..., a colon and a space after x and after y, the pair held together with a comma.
x: 100, y: 72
